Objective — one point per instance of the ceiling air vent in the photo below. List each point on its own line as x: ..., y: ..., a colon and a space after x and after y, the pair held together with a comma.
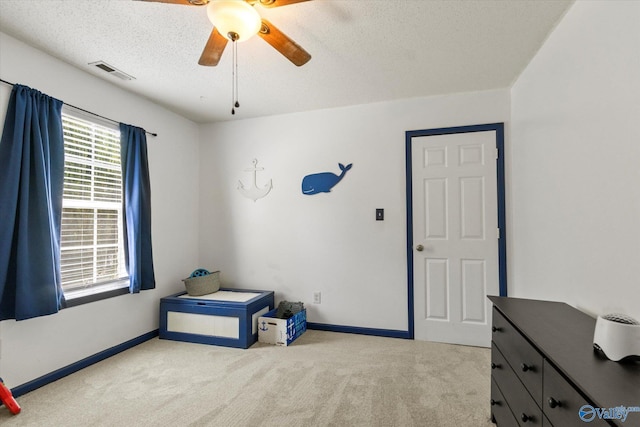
x: 112, y: 70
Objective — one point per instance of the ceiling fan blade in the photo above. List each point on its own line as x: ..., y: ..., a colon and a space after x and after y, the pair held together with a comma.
x: 213, y: 49
x: 276, y: 3
x: 184, y: 2
x: 283, y: 44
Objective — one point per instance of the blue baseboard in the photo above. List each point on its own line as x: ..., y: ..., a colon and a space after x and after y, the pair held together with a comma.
x: 81, y: 364
x: 390, y: 333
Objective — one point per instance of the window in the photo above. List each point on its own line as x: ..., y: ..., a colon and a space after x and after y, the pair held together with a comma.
x: 91, y: 246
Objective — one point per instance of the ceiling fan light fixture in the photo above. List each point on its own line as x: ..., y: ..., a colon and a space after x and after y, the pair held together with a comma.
x: 237, y: 20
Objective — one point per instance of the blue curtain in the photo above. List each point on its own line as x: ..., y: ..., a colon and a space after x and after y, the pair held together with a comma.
x: 136, y: 208
x: 31, y: 180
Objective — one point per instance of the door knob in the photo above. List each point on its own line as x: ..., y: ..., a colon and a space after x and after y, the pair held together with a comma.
x: 419, y: 248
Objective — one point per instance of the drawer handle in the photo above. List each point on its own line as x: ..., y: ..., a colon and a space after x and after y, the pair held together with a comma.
x: 524, y: 417
x: 553, y: 403
x: 495, y: 402
x: 526, y: 367
x: 494, y: 365
x: 495, y: 329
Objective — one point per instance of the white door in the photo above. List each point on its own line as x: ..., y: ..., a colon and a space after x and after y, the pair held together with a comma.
x: 455, y: 236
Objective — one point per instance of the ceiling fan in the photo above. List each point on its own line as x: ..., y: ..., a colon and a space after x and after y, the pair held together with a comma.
x: 228, y: 16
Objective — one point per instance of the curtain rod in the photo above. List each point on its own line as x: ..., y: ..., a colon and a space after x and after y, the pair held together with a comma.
x: 85, y: 111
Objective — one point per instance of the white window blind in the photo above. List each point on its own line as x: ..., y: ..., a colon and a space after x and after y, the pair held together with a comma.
x: 92, y: 251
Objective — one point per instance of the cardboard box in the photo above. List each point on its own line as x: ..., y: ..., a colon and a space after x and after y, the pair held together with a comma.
x: 283, y: 332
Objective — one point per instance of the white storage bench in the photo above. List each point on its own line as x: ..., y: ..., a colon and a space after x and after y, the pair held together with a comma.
x: 228, y: 317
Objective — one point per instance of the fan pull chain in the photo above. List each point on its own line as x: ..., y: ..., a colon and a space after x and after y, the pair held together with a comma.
x: 234, y: 76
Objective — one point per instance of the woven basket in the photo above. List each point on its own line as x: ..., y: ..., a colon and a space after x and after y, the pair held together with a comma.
x: 202, y: 285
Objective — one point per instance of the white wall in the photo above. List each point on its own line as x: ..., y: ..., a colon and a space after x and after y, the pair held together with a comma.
x: 575, y: 163
x: 296, y: 244
x: 35, y: 347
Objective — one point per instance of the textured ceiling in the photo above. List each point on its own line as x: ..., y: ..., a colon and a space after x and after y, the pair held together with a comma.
x: 363, y: 51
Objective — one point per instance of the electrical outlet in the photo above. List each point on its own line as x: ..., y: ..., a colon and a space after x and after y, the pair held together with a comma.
x: 317, y: 297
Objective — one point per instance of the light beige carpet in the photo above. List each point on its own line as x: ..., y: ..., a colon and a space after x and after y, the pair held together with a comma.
x: 323, y: 379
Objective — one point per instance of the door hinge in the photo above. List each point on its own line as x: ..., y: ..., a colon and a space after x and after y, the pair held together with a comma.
x: 497, y: 153
x: 498, y: 233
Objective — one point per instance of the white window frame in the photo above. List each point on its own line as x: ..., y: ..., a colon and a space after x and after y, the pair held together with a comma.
x: 93, y: 286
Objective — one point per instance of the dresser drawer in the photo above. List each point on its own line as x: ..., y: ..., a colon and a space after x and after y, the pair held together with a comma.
x: 522, y: 405
x: 562, y: 402
x: 520, y: 354
x: 546, y: 422
x: 500, y: 412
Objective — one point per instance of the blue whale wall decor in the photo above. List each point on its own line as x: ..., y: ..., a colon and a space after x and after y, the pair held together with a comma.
x: 323, y: 182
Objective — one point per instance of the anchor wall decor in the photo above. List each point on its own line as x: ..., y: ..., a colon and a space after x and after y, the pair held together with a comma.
x: 254, y: 193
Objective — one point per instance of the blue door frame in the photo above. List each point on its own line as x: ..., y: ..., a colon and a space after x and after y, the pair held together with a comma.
x: 502, y: 242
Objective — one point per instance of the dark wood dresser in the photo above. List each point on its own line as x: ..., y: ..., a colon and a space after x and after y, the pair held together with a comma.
x: 545, y: 372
